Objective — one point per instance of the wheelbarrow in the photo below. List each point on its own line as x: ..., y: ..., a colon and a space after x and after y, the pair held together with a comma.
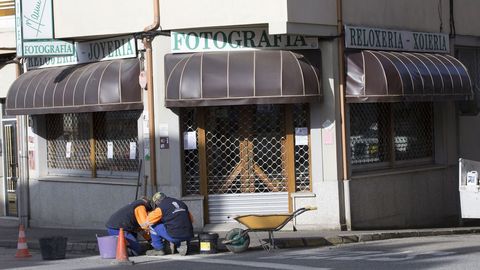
x: 237, y: 239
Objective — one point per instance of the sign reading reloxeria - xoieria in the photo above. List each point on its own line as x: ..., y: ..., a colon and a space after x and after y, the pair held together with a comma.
x: 237, y: 39
x: 394, y: 40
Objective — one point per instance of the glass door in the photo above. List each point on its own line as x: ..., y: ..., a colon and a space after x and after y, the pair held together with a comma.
x: 10, y: 166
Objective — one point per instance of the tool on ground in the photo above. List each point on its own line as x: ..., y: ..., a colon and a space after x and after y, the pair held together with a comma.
x: 138, y: 178
x: 122, y: 255
x: 237, y: 240
x: 22, y: 248
x: 145, y: 183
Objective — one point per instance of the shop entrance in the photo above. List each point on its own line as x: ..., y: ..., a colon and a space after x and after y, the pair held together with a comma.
x: 246, y: 161
x: 10, y: 168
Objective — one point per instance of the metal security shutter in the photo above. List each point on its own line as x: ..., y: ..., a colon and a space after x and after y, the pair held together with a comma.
x: 224, y: 207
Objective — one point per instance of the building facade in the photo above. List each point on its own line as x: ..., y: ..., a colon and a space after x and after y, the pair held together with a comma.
x: 255, y: 107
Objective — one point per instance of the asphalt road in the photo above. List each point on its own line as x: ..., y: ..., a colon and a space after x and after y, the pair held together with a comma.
x: 439, y: 252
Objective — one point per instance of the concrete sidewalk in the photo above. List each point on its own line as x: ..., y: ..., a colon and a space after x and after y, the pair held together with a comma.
x: 84, y: 241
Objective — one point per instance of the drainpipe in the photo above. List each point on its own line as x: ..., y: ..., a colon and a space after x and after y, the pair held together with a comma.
x: 147, y: 42
x: 341, y: 82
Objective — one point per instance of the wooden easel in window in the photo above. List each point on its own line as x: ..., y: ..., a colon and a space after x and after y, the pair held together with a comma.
x: 246, y: 167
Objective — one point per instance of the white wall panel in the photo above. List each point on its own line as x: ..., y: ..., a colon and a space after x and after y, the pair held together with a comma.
x: 425, y: 15
x: 7, y: 76
x: 85, y: 18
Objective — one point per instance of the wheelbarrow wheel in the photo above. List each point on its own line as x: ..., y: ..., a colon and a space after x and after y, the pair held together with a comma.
x: 239, y: 243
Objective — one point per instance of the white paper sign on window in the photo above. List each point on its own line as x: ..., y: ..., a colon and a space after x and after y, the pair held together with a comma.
x: 68, y: 150
x: 109, y: 150
x: 301, y: 136
x: 133, y: 150
x: 190, y: 140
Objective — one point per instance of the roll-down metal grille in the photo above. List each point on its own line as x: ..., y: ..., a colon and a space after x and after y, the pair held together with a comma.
x: 390, y: 132
x: 120, y: 128
x: 68, y: 128
x: 190, y: 156
x: 76, y: 130
x: 302, y: 151
x: 245, y: 149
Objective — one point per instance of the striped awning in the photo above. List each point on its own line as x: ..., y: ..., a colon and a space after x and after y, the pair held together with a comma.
x: 242, y: 77
x: 102, y: 86
x: 380, y: 76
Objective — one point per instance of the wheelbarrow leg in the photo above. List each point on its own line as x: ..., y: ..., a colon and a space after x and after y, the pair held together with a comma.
x: 272, y: 239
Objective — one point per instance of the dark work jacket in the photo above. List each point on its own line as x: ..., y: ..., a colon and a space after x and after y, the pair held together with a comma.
x: 176, y: 218
x: 125, y: 217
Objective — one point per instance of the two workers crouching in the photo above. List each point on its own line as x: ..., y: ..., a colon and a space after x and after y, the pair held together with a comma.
x: 160, y: 219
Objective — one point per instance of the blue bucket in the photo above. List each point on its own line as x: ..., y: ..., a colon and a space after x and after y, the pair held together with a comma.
x: 107, y: 245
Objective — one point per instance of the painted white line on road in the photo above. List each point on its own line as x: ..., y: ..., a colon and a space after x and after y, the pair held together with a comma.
x: 259, y: 264
x: 380, y: 256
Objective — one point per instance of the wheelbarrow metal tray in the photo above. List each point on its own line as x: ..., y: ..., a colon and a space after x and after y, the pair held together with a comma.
x: 264, y: 222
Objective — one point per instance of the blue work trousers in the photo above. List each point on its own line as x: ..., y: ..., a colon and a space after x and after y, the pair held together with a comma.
x: 158, y: 233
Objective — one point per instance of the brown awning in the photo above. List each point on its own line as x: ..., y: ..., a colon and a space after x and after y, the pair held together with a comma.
x: 379, y: 76
x: 102, y: 86
x: 242, y: 77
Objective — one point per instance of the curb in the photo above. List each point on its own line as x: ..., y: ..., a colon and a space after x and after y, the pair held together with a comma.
x: 365, y: 237
x: 72, y: 247
x: 91, y: 247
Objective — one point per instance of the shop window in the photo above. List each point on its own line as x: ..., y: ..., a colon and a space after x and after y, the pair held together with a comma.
x: 390, y: 134
x: 103, y: 144
x: 245, y: 149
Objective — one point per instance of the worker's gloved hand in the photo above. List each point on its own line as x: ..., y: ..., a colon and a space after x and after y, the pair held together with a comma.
x: 146, y: 235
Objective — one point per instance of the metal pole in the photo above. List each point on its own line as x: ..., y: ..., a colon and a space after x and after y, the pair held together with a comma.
x: 138, y: 178
x: 341, y: 86
x: 151, y: 113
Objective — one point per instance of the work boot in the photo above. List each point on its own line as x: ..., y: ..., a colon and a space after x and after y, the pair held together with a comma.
x: 170, y: 248
x: 131, y: 252
x: 183, y: 248
x: 154, y: 252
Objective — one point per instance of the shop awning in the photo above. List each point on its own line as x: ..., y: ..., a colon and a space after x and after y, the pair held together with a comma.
x: 379, y: 76
x: 102, y: 86
x: 242, y: 77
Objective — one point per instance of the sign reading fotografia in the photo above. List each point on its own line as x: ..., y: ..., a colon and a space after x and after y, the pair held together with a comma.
x: 91, y: 51
x: 47, y: 47
x: 394, y: 40
x: 237, y: 39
